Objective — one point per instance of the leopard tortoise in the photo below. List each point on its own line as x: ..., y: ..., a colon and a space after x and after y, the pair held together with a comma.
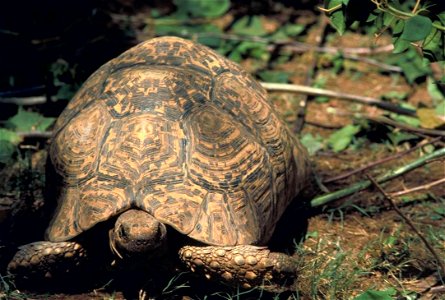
x: 172, y: 135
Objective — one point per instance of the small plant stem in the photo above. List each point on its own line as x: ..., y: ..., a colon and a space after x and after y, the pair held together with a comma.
x: 410, y: 223
x: 381, y: 161
x: 294, y: 88
x: 403, y: 14
x: 330, y: 10
x: 418, y: 188
x: 326, y: 198
x: 416, y: 7
x: 429, y: 132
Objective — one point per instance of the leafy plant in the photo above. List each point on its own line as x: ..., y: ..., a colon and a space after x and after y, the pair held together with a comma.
x: 312, y: 143
x: 412, y: 25
x: 342, y: 138
x: 22, y: 121
x: 202, y: 8
x: 377, y: 295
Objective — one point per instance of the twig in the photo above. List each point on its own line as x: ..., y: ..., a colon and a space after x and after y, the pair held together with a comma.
x: 326, y: 198
x: 430, y: 132
x: 438, y: 289
x: 350, y: 56
x: 416, y: 7
x: 294, y: 88
x: 23, y: 92
x: 310, y: 75
x: 303, y: 46
x: 410, y: 223
x: 33, y: 100
x: 418, y: 188
x: 35, y: 134
x: 381, y: 161
x: 325, y: 126
x: 299, y: 47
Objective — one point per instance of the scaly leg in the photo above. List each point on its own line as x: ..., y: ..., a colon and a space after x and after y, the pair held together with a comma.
x: 245, y: 265
x: 47, y: 259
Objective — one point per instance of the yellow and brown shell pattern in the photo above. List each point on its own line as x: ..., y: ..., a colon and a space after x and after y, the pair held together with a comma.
x: 175, y: 129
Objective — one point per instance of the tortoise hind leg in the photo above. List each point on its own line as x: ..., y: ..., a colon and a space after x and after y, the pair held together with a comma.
x: 246, y: 265
x: 45, y: 260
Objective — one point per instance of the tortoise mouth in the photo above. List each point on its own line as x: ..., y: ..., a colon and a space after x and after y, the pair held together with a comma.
x: 137, y: 233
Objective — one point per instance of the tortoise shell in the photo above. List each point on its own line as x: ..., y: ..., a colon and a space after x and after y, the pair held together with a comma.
x: 175, y: 129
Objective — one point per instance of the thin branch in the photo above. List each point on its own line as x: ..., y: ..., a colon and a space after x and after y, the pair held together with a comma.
x: 325, y: 126
x: 35, y: 134
x: 33, y: 100
x: 303, y: 46
x: 429, y: 132
x: 416, y: 7
x: 23, y: 92
x: 410, y: 223
x: 418, y: 188
x: 350, y: 56
x: 327, y: 198
x: 438, y: 289
x: 381, y: 161
x: 294, y: 88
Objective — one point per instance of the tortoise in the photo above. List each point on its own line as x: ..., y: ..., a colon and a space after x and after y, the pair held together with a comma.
x: 171, y: 134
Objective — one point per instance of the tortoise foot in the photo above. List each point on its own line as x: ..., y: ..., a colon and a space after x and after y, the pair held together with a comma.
x: 245, y: 265
x: 46, y: 259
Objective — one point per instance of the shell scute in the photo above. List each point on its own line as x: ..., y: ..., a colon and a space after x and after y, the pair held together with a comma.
x: 175, y: 129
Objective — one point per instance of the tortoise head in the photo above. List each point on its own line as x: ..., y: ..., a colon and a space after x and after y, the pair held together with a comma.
x: 135, y: 233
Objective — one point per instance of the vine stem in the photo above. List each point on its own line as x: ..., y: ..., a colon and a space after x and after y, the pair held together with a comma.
x: 326, y: 198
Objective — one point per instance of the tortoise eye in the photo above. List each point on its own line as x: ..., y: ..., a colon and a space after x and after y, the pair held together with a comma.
x: 121, y: 232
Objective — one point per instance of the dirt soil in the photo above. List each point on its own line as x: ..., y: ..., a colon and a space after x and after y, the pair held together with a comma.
x: 352, y: 245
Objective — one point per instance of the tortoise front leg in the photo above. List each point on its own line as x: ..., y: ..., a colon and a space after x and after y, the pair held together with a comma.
x: 245, y: 265
x: 47, y: 259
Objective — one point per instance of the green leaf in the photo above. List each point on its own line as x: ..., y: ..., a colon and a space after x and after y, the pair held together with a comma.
x: 388, y: 19
x: 202, y: 8
x: 312, y: 143
x: 320, y: 82
x: 400, y: 45
x: 441, y: 17
x: 287, y: 31
x: 248, y: 48
x: 337, y: 17
x: 412, y: 121
x: 377, y: 295
x: 274, y: 76
x: 440, y: 109
x: 171, y: 26
x: 434, y: 91
x: 8, y: 144
x: 29, y: 121
x: 412, y: 65
x: 342, y: 138
x: 249, y: 25
x: 397, y: 137
x: 395, y: 95
x: 434, y: 46
x: 417, y: 28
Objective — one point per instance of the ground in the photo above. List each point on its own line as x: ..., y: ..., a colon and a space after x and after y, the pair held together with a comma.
x: 352, y: 245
